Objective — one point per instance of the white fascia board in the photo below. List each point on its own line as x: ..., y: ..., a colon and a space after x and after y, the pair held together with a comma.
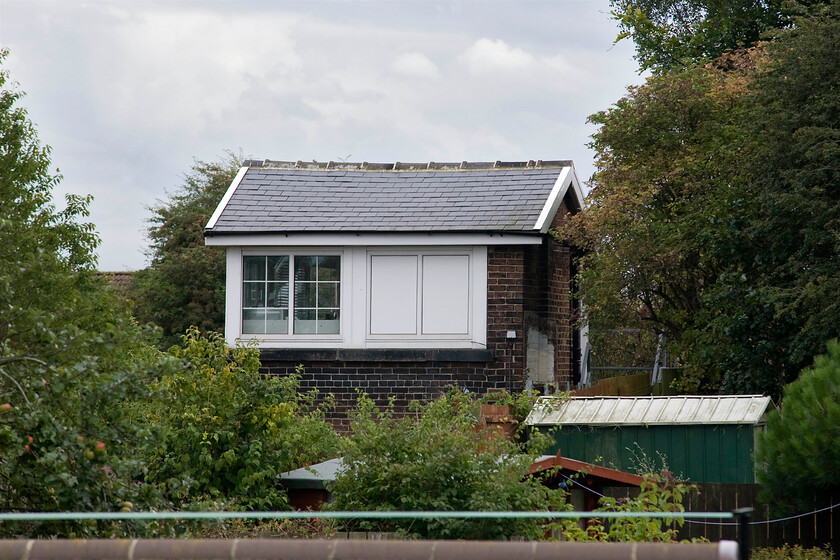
x: 372, y: 239
x: 567, y: 178
x: 225, y: 199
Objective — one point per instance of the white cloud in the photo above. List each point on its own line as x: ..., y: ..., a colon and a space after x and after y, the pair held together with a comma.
x: 127, y: 93
x: 486, y: 55
x: 415, y: 65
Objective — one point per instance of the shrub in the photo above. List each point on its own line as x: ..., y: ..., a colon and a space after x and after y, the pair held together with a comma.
x: 798, y: 456
x: 227, y: 432
x: 659, y: 493
x: 791, y: 553
x: 439, y: 462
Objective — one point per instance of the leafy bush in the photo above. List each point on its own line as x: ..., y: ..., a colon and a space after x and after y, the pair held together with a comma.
x: 798, y: 456
x: 438, y: 461
x: 791, y: 553
x: 70, y: 354
x: 659, y: 493
x: 227, y: 432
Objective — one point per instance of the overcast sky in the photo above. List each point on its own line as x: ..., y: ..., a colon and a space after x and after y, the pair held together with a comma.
x: 128, y: 93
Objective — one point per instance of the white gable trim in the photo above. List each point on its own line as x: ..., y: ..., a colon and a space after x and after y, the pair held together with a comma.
x: 567, y: 178
x: 225, y: 199
x: 385, y: 239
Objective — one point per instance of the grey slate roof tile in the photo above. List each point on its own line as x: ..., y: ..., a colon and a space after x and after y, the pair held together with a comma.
x: 282, y: 199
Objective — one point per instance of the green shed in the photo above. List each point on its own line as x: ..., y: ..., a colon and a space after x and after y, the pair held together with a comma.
x: 702, y: 438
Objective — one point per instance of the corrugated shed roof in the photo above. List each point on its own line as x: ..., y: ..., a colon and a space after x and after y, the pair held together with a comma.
x: 284, y: 197
x: 315, y: 476
x: 617, y: 411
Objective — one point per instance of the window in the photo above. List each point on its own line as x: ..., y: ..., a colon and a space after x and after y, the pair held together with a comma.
x: 424, y: 294
x: 313, y: 281
x: 357, y: 296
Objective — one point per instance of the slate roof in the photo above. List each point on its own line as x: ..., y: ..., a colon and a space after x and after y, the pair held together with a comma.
x: 278, y: 197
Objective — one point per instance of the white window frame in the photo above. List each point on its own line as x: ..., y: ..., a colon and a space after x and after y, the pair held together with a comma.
x: 419, y: 337
x: 355, y: 278
x: 235, y: 259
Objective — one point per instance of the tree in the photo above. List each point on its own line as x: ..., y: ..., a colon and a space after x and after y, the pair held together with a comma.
x: 798, y: 456
x: 225, y: 432
x: 782, y: 295
x: 70, y: 352
x: 665, y: 197
x: 678, y: 34
x: 438, y: 462
x: 715, y: 216
x: 185, y: 283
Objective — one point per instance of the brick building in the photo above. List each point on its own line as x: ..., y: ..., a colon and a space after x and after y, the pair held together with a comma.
x: 401, y: 280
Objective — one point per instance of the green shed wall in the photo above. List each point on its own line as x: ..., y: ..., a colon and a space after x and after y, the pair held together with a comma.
x: 701, y: 453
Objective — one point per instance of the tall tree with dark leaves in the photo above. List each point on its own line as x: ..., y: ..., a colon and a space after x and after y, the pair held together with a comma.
x: 783, y: 295
x: 664, y: 186
x: 184, y: 285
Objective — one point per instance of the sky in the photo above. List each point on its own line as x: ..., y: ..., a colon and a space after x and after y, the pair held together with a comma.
x: 130, y: 94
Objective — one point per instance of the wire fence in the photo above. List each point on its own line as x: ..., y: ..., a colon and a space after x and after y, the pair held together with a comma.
x: 138, y: 515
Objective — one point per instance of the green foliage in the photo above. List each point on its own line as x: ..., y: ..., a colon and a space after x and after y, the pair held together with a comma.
x: 659, y: 493
x: 438, y: 461
x: 520, y: 403
x: 672, y: 35
x: 782, y: 292
x: 791, y: 553
x: 70, y: 354
x: 227, y: 432
x: 185, y: 283
x: 661, y: 202
x: 715, y: 217
x: 798, y: 456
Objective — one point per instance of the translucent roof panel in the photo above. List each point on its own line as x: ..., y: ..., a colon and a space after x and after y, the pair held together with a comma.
x: 615, y: 411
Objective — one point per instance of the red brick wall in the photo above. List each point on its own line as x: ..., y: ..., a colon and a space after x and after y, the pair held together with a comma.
x: 559, y: 301
x: 548, y: 304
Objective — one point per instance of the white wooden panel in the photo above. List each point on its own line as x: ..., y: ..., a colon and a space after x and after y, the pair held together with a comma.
x: 393, y: 294
x: 446, y: 294
x: 233, y: 295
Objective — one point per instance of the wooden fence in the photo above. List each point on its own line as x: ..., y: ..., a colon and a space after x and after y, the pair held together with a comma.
x: 814, y: 530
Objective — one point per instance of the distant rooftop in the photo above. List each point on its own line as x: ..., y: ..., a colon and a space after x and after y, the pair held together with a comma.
x: 314, y: 197
x: 121, y: 280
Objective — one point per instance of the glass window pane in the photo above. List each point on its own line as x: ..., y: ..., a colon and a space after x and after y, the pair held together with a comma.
x: 253, y: 294
x: 278, y: 268
x: 305, y: 321
x: 304, y: 294
x: 328, y: 294
x: 328, y: 322
x: 278, y: 294
x: 253, y: 321
x: 305, y: 268
x: 277, y: 321
x: 329, y: 268
x: 254, y: 268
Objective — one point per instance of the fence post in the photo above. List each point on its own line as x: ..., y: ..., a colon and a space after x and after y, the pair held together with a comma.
x: 743, y: 516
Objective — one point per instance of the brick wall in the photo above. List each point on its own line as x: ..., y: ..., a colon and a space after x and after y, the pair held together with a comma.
x: 423, y: 380
x: 549, y: 309
x: 560, y: 309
